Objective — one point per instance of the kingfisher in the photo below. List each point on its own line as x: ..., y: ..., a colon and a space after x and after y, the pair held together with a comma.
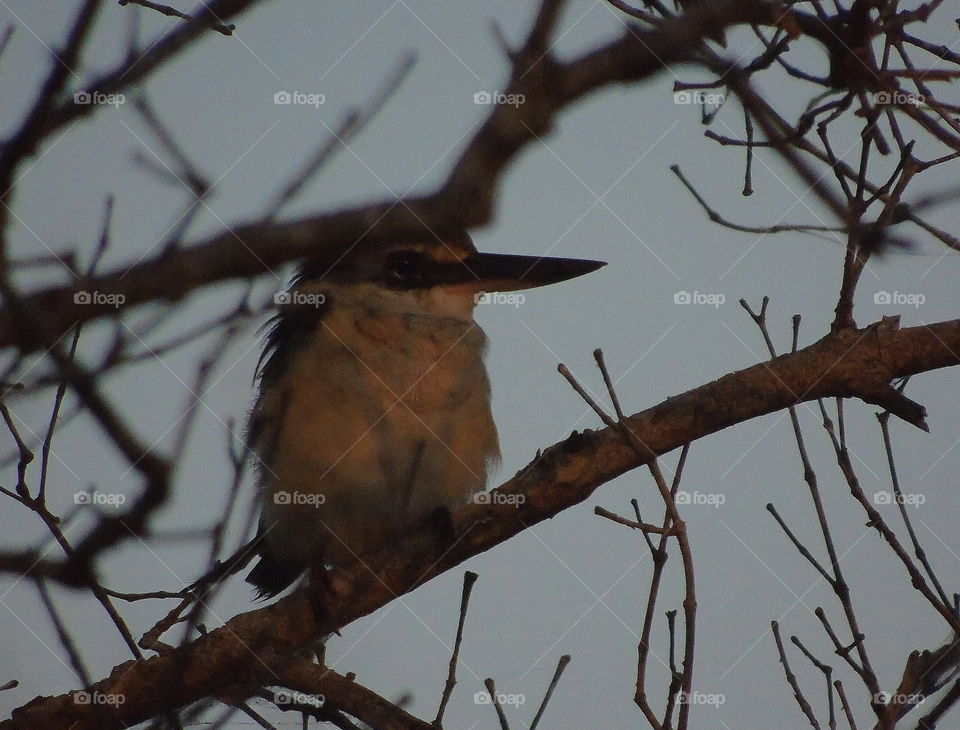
x: 373, y: 407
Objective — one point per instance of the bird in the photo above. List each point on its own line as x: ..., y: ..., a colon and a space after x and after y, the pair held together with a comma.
x: 372, y: 413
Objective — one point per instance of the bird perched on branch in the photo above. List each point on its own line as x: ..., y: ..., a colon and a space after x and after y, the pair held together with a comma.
x: 373, y: 410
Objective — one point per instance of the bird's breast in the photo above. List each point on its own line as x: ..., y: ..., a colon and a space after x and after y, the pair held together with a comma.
x: 427, y: 364
x: 386, y: 417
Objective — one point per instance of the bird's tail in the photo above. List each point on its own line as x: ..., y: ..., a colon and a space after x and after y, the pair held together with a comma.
x: 270, y: 576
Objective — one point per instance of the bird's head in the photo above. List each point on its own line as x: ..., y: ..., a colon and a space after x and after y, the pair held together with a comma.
x: 441, y: 277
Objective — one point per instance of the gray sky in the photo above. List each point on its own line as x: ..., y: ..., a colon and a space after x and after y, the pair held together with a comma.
x: 598, y: 187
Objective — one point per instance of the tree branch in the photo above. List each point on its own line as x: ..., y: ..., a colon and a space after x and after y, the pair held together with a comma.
x: 846, y: 363
x: 465, y: 201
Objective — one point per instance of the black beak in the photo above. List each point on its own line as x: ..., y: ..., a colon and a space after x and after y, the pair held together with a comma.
x: 509, y: 272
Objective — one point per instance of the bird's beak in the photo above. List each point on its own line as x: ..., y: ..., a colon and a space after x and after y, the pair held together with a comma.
x: 509, y: 272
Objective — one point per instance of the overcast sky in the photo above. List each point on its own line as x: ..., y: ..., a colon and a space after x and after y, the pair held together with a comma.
x: 598, y: 187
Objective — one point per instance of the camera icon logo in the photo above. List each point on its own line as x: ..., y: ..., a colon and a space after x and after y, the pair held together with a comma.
x: 82, y: 97
x: 281, y: 498
x: 282, y: 297
x: 82, y: 498
x: 282, y: 97
x: 483, y: 97
x: 682, y: 97
x: 682, y: 297
x: 81, y: 297
x: 883, y: 498
x: 882, y: 297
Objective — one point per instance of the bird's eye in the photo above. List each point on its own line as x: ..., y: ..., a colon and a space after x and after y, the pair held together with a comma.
x: 405, y: 265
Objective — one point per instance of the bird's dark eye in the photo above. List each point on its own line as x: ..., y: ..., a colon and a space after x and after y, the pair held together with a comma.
x: 405, y: 265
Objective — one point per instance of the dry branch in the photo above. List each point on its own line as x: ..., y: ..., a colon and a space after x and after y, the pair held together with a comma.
x: 252, y: 649
x: 466, y: 200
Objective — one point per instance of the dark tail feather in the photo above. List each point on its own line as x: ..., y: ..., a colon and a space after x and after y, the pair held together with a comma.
x: 270, y: 576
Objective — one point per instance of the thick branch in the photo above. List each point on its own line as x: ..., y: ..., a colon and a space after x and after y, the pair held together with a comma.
x: 466, y: 200
x: 847, y: 363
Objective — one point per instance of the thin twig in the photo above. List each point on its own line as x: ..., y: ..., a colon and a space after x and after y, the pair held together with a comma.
x: 469, y: 578
x: 792, y: 680
x: 561, y: 665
